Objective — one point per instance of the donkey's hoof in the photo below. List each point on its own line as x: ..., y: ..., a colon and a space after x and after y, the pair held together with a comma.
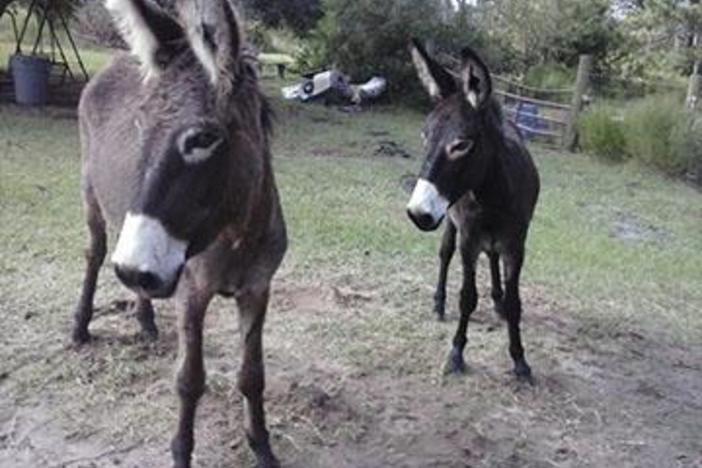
x: 81, y: 337
x: 455, y: 365
x: 266, y: 459
x: 523, y: 373
x: 149, y: 332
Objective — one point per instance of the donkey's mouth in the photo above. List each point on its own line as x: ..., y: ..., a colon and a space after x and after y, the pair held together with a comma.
x: 425, y: 222
x: 148, y: 285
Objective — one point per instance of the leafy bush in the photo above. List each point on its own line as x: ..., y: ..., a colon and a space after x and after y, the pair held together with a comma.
x: 550, y: 76
x: 656, y: 134
x: 686, y: 141
x: 366, y: 37
x: 602, y: 134
x: 299, y: 15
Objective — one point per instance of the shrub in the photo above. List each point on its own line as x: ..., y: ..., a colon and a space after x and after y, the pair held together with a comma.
x: 601, y: 134
x: 550, y: 76
x: 686, y: 141
x: 366, y: 37
x: 656, y: 134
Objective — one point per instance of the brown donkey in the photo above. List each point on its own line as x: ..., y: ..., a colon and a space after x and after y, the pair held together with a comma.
x: 176, y: 155
x: 479, y: 172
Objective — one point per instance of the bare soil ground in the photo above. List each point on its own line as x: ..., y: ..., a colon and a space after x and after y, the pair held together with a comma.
x: 354, y: 355
x: 602, y: 399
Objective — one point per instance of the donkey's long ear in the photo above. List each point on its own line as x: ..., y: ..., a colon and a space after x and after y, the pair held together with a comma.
x: 214, y: 33
x: 475, y: 78
x: 435, y: 78
x: 150, y: 33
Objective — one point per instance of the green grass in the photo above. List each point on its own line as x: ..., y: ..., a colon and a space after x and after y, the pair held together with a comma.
x: 345, y: 209
x: 93, y: 58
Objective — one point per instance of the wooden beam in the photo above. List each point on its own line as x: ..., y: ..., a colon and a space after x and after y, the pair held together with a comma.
x: 539, y: 102
x: 582, y: 84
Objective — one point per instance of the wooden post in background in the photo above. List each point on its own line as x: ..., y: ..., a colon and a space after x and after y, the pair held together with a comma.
x: 693, y: 89
x: 582, y: 85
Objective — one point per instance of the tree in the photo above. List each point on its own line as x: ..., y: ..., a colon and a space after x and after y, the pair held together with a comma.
x: 300, y: 15
x: 546, y: 31
x: 366, y: 37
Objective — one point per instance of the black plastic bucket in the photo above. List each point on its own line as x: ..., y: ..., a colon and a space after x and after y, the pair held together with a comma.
x: 31, y: 78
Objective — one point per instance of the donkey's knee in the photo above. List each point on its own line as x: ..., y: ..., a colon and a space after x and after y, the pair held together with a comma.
x: 190, y: 385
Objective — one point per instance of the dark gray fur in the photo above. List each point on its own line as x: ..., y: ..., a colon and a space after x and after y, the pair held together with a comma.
x: 227, y: 209
x: 493, y: 191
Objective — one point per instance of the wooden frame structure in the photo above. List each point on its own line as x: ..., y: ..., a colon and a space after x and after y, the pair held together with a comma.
x: 49, y: 18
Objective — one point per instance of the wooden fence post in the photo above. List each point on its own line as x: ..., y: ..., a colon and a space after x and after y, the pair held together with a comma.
x: 582, y: 84
x: 693, y: 89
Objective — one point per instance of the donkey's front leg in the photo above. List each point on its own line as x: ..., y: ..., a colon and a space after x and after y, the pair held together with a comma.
x: 468, y: 302
x: 448, y: 247
x: 252, y: 314
x: 513, y: 312
x: 94, y: 256
x: 145, y: 316
x: 190, y: 381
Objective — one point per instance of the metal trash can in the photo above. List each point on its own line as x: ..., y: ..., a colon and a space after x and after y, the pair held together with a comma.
x: 31, y: 78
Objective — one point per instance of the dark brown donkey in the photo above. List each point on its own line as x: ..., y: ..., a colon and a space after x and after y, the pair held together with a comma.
x: 176, y: 155
x: 479, y: 172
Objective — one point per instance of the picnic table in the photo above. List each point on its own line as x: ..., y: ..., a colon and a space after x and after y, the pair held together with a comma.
x: 280, y: 61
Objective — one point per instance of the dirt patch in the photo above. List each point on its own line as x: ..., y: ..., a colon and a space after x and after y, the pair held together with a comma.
x: 632, y: 229
x: 601, y: 399
x: 391, y: 149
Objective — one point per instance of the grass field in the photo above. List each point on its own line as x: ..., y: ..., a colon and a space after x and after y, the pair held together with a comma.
x: 612, y: 294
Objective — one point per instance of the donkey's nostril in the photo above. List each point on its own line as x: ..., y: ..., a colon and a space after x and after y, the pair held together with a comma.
x: 423, y: 221
x: 148, y: 281
x: 133, y: 278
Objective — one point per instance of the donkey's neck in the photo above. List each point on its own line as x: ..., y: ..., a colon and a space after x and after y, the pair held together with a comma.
x: 495, y: 190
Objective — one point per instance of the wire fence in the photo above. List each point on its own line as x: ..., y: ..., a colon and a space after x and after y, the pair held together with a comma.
x: 540, y: 114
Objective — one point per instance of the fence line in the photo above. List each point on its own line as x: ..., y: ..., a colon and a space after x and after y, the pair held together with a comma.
x: 532, y: 89
x: 538, y: 102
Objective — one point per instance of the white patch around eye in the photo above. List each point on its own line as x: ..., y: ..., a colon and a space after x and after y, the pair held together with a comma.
x: 136, y: 33
x: 196, y: 155
x: 145, y: 245
x: 426, y: 200
x: 454, y: 151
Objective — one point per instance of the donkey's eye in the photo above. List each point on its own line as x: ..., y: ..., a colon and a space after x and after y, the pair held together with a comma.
x: 459, y: 148
x: 197, y: 146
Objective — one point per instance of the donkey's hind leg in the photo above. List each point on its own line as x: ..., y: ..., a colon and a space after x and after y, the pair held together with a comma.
x: 513, y: 312
x: 448, y: 247
x: 497, y: 293
x: 95, y: 256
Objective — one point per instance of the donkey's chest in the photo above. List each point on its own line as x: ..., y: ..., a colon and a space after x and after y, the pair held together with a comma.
x: 484, y: 228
